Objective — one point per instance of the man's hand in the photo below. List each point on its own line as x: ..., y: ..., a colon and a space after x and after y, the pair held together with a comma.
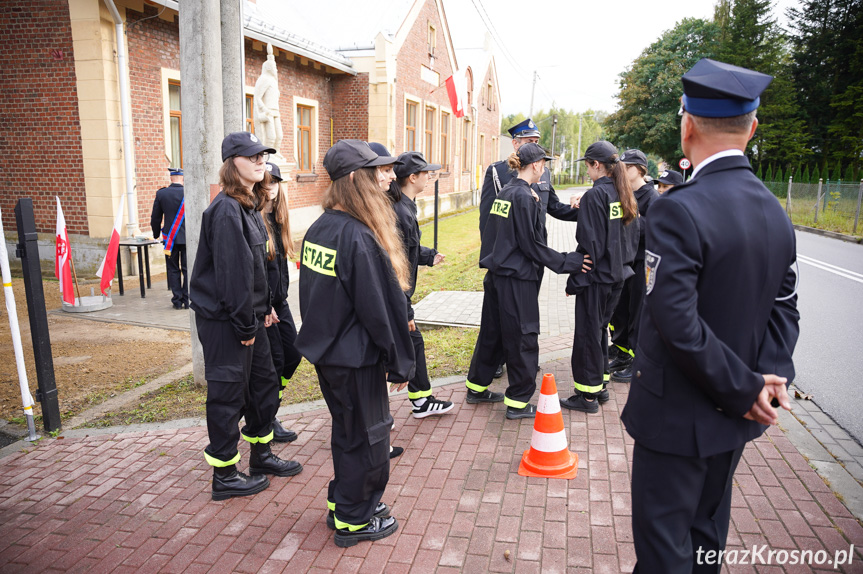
x: 762, y: 411
x: 587, y: 264
x: 397, y: 386
x: 412, y: 326
x: 438, y: 258
x: 248, y: 343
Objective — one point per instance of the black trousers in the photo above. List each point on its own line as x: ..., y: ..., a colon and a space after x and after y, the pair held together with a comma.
x: 282, y: 336
x: 593, y: 307
x: 358, y: 402
x: 509, y: 331
x: 175, y: 264
x: 680, y: 509
x: 241, y: 382
x: 419, y: 386
x: 627, y: 312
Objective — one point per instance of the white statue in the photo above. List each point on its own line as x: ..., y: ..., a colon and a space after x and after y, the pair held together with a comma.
x: 268, y: 123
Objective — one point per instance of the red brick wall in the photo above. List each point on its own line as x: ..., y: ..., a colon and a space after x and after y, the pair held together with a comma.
x: 488, y: 117
x: 40, y: 133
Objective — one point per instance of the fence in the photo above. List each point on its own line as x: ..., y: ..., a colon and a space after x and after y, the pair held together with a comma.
x: 830, y: 205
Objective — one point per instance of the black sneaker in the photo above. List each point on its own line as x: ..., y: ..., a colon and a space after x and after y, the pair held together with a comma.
x: 622, y: 361
x: 381, y: 510
x: 623, y: 376
x: 376, y: 529
x: 498, y: 373
x: 580, y: 402
x: 486, y: 396
x: 527, y: 412
x: 396, y: 451
x: 603, y: 396
x: 432, y: 406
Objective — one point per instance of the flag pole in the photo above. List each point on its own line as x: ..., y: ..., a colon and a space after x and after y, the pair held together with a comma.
x: 74, y: 275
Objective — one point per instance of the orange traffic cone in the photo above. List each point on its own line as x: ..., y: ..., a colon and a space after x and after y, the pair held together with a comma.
x: 549, y: 454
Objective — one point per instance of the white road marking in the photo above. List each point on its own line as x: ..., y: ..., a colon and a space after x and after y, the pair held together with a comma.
x: 842, y: 272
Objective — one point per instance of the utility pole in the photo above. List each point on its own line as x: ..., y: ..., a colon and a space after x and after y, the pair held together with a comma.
x: 233, y: 92
x: 532, y: 90
x: 578, y: 150
x: 553, y: 131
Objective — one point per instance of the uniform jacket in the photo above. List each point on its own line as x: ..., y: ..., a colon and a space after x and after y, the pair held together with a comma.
x: 549, y: 202
x: 602, y: 234
x: 277, y: 270
x: 720, y: 309
x: 353, y: 309
x: 167, y: 204
x: 513, y: 244
x: 645, y: 196
x: 229, y: 281
x: 406, y: 215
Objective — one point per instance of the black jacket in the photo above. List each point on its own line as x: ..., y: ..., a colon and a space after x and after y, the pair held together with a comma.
x: 229, y: 281
x: 513, y: 244
x: 167, y: 204
x: 353, y: 309
x: 602, y: 234
x: 720, y: 309
x: 277, y: 269
x: 406, y: 216
x: 645, y: 196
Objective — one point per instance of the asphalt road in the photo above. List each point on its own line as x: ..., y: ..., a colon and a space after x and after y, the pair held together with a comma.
x: 829, y: 353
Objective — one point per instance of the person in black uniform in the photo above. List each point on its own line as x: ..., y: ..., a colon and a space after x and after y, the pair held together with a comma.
x: 718, y: 329
x: 513, y: 250
x: 355, y: 331
x: 608, y: 230
x: 283, y: 331
x: 413, y: 174
x: 627, y: 312
x: 170, y: 206
x: 666, y: 180
x: 231, y: 300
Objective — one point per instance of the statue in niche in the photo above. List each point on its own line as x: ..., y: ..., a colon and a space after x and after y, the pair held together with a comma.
x: 268, y: 122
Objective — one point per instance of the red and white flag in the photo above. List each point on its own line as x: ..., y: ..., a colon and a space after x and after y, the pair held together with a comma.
x: 109, y: 264
x: 456, y: 89
x: 62, y: 261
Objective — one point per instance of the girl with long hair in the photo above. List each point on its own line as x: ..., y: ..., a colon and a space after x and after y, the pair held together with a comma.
x: 355, y: 332
x: 232, y: 310
x: 608, y: 230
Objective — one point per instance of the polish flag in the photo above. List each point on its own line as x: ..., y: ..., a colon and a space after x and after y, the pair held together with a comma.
x: 109, y: 264
x: 62, y: 262
x: 456, y: 89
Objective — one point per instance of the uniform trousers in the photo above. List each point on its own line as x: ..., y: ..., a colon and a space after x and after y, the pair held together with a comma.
x: 681, y: 506
x: 282, y: 336
x: 627, y: 312
x: 509, y: 331
x: 360, y: 408
x: 241, y: 382
x: 593, y: 307
x: 175, y: 265
x: 419, y: 386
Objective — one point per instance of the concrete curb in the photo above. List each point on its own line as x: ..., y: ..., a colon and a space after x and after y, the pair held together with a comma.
x: 831, y: 234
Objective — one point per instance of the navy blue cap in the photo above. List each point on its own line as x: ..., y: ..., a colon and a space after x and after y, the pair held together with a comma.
x: 601, y: 151
x: 274, y: 170
x: 669, y: 177
x: 526, y: 129
x: 714, y: 89
x: 172, y: 171
x: 412, y: 162
x: 531, y: 152
x: 244, y: 144
x: 634, y: 157
x: 350, y: 155
x: 380, y: 149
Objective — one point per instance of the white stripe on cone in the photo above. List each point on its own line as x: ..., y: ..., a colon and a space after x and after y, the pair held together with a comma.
x: 548, y: 404
x: 548, y: 442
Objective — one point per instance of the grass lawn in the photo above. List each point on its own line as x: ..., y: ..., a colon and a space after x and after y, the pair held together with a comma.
x: 458, y: 239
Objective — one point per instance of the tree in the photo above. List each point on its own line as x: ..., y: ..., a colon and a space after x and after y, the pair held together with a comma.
x: 769, y: 175
x: 816, y: 175
x: 507, y: 122
x: 650, y: 89
x: 806, y: 178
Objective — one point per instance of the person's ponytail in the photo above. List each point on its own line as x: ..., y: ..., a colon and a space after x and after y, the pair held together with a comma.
x: 624, y: 191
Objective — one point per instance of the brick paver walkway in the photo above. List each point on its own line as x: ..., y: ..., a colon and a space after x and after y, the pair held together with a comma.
x: 140, y: 502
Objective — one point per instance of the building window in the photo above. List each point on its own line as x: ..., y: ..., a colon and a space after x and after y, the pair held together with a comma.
x: 304, y: 138
x: 489, y: 96
x: 429, y: 151
x: 481, y: 159
x: 250, y: 114
x: 432, y: 40
x: 465, y: 145
x: 176, y: 124
x: 469, y: 76
x: 411, y: 127
x: 444, y: 140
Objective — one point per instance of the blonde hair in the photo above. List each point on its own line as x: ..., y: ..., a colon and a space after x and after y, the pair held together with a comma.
x: 281, y: 215
x: 362, y: 198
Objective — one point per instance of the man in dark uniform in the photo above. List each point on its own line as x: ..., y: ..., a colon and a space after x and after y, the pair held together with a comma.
x: 717, y: 332
x: 169, y: 204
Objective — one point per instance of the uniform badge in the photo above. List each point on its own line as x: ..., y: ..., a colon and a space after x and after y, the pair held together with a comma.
x: 651, y: 266
x: 269, y: 167
x: 663, y: 174
x: 253, y: 138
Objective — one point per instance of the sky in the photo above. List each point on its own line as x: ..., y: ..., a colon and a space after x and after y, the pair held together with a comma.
x: 577, y: 48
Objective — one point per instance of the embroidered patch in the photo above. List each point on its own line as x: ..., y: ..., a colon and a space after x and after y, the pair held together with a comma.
x: 319, y: 259
x: 615, y: 211
x: 651, y: 266
x: 501, y: 207
x: 253, y: 138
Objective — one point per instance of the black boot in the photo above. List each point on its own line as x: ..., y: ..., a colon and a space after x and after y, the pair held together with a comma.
x: 281, y: 434
x: 263, y: 461
x: 228, y: 482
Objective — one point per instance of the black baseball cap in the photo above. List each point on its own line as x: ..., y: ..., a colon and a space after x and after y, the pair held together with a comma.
x: 413, y: 162
x: 669, y: 177
x: 634, y: 157
x: 531, y: 152
x: 601, y: 151
x: 380, y: 149
x: 244, y: 144
x: 275, y: 172
x: 350, y: 155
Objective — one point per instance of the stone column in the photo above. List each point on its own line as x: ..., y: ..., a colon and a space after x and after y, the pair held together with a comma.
x: 233, y: 83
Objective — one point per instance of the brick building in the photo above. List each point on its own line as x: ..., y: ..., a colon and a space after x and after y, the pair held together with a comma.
x: 61, y: 99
